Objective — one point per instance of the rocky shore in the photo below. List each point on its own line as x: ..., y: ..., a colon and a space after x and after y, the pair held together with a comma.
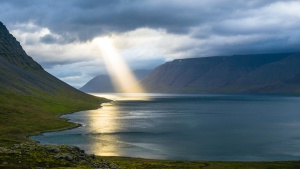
x: 34, y: 155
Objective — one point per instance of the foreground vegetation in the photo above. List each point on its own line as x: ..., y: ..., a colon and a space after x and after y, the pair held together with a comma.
x: 139, y: 163
x: 33, y: 155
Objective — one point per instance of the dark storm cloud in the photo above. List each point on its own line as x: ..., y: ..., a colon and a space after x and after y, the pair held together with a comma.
x: 83, y: 20
x: 87, y: 19
x: 50, y: 39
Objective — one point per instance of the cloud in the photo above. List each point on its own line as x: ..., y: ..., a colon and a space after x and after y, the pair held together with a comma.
x: 60, y: 34
x: 87, y: 19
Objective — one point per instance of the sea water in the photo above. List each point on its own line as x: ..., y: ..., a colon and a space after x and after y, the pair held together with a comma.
x: 188, y: 127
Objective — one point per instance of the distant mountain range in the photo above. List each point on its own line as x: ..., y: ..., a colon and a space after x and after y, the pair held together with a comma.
x: 251, y: 74
x: 104, y: 84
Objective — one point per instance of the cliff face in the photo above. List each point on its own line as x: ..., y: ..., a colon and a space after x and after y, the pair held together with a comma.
x: 12, y: 51
x: 268, y: 73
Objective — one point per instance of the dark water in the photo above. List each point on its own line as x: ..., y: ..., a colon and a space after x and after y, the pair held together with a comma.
x: 189, y: 127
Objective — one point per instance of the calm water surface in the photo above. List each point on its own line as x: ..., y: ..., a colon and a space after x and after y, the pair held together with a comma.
x: 188, y: 127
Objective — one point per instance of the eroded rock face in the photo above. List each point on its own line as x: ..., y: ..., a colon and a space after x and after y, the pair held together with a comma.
x: 37, y: 155
x: 11, y: 49
x: 263, y: 73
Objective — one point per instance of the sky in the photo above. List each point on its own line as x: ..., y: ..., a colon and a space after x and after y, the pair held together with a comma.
x: 60, y: 35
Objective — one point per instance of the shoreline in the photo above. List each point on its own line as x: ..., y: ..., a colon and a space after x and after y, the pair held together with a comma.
x: 136, y: 162
x: 78, y: 124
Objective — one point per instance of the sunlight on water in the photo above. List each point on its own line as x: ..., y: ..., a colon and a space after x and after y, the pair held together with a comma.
x: 121, y: 75
x: 126, y: 96
x: 101, y: 123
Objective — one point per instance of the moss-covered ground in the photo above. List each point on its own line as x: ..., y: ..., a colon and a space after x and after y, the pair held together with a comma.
x: 139, y: 163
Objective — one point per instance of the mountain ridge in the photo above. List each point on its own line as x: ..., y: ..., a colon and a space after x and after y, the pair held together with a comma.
x: 251, y: 74
x: 13, y: 48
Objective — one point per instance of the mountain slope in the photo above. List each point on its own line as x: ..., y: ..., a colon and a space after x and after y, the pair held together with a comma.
x: 103, y: 83
x: 100, y: 83
x: 267, y: 73
x: 31, y: 100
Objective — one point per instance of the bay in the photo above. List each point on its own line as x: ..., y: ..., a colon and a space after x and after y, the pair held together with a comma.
x: 188, y: 127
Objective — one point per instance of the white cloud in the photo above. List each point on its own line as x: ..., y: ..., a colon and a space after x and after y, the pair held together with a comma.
x: 52, y: 52
x: 146, y: 44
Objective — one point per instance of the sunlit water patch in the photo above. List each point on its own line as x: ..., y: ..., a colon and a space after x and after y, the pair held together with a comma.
x: 189, y: 127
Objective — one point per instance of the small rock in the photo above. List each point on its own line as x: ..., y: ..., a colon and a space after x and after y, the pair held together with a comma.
x: 3, y: 150
x: 58, y: 157
x: 68, y: 158
x: 92, y: 156
x: 77, y: 149
x: 113, y: 166
x: 82, y: 156
x: 54, y: 150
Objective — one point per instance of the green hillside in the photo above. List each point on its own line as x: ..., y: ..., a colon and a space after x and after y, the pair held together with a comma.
x: 32, y: 100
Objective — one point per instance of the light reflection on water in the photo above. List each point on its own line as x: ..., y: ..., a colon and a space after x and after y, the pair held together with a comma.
x: 189, y: 127
x: 103, y: 121
x: 127, y: 96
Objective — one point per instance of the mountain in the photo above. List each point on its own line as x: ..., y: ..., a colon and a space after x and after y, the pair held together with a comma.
x: 103, y: 83
x: 31, y: 99
x: 252, y: 74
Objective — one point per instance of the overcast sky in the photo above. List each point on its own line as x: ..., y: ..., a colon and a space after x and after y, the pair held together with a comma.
x: 59, y: 34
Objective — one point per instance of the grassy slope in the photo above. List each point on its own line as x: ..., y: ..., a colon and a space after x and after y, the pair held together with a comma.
x: 24, y: 115
x: 31, y: 101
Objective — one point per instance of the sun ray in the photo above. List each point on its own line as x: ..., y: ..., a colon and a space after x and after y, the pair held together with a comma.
x: 122, y: 77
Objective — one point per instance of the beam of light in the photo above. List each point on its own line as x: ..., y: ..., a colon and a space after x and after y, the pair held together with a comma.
x: 122, y: 77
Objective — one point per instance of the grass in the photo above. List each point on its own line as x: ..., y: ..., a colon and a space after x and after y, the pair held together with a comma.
x: 25, y: 115
x: 139, y: 163
x: 32, y: 155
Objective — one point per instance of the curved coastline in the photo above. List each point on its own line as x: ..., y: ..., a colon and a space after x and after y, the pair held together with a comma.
x: 135, y: 162
x: 76, y: 125
x: 82, y: 134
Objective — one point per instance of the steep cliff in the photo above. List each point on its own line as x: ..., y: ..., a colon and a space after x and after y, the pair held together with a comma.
x: 266, y: 73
